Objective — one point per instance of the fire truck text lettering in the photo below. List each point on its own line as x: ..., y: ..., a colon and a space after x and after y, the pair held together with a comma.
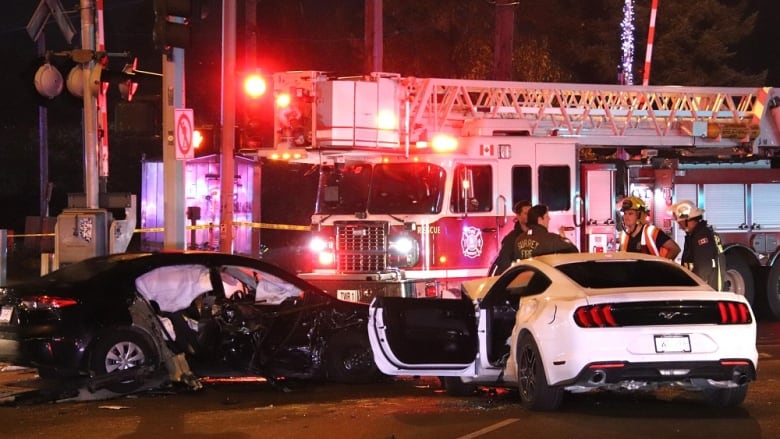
x: 430, y: 230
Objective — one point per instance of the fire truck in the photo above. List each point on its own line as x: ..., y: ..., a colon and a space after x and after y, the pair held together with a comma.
x: 417, y: 176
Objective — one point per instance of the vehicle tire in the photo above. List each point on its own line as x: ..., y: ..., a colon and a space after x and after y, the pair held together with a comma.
x: 535, y: 393
x: 454, y: 386
x: 725, y: 397
x: 773, y: 291
x: 739, y: 277
x: 349, y: 359
x: 122, y: 349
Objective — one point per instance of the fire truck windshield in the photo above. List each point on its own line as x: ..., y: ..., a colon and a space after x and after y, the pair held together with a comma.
x: 387, y: 188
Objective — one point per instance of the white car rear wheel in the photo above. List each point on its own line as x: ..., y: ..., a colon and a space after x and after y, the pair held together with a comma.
x: 535, y: 393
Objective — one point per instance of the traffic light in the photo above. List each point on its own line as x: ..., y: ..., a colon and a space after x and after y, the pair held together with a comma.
x: 171, y: 22
x: 100, y: 74
x: 204, y: 140
x: 254, y: 88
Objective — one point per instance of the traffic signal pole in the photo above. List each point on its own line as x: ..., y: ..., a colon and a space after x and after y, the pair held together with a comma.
x: 174, y: 235
x: 90, y: 107
x: 250, y: 59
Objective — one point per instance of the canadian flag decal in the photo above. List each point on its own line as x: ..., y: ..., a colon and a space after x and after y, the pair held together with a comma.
x: 486, y: 150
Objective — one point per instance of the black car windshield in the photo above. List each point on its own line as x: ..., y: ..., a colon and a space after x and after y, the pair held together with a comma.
x: 621, y: 274
x: 387, y: 188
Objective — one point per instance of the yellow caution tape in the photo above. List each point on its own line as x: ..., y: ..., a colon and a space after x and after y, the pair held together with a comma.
x: 270, y: 226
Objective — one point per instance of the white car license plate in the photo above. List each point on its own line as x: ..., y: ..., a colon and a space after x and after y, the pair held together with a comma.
x: 672, y: 343
x: 5, y: 314
x: 348, y: 295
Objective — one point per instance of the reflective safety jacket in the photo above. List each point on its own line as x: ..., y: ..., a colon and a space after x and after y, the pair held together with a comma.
x: 651, y: 241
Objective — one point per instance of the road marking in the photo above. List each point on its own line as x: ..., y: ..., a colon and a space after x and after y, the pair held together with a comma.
x: 493, y: 427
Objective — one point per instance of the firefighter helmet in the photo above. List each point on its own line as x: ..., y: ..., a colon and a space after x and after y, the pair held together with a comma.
x: 685, y: 210
x: 633, y: 203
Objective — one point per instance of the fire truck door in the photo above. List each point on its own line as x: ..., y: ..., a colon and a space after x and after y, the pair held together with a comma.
x: 514, y: 183
x: 598, y: 195
x: 556, y: 186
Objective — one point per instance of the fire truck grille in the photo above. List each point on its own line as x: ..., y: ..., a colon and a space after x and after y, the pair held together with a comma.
x: 361, y: 247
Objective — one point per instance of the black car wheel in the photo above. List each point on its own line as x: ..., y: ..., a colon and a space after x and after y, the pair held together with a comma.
x: 120, y: 350
x: 535, y: 393
x: 349, y: 358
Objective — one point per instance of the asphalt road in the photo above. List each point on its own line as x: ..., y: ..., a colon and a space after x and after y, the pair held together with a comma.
x: 399, y: 408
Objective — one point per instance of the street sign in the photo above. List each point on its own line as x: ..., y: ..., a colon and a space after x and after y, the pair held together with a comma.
x: 183, y: 133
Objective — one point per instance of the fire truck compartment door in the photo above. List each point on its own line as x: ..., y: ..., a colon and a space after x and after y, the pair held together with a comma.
x: 427, y: 337
x: 598, y: 190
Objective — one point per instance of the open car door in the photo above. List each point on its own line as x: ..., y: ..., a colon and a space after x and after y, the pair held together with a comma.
x: 427, y: 337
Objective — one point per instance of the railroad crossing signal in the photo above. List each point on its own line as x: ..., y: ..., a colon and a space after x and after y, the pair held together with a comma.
x: 46, y: 9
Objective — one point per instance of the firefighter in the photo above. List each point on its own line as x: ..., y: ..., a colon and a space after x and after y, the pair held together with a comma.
x: 702, y: 251
x: 537, y: 240
x: 507, y: 251
x: 639, y: 236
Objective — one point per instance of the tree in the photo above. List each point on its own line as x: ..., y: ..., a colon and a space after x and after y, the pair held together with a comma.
x: 698, y: 45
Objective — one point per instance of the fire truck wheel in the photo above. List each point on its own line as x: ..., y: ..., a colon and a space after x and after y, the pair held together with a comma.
x: 739, y: 278
x: 349, y: 358
x: 773, y: 290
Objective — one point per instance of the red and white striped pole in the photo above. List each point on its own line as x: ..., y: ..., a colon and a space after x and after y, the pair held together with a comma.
x: 101, y: 99
x: 650, y: 37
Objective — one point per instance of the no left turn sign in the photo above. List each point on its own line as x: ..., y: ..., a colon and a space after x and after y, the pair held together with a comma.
x: 183, y: 129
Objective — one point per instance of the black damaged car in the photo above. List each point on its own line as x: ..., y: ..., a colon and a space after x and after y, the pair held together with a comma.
x: 190, y: 314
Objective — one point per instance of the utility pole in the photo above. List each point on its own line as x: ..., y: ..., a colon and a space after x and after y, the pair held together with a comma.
x: 504, y: 40
x: 227, y: 173
x: 373, y: 35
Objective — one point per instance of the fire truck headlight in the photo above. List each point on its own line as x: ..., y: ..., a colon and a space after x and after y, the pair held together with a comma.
x: 402, y: 245
x: 404, y: 252
x: 325, y: 258
x: 318, y: 245
x: 322, y: 250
